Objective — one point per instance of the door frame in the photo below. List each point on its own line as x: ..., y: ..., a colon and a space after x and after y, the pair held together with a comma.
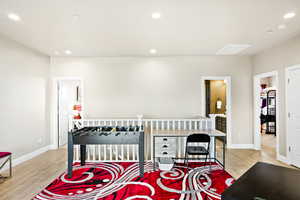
x: 288, y: 135
x: 257, y: 109
x: 54, y: 107
x: 228, y: 102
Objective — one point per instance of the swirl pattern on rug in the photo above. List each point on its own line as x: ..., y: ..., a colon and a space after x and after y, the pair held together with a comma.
x: 121, y: 180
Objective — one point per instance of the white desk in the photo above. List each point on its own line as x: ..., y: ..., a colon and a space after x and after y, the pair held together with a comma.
x: 185, y: 133
x: 177, y: 138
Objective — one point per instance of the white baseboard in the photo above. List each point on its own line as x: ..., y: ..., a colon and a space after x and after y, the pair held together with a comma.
x: 52, y: 147
x: 28, y: 156
x: 241, y: 146
x: 283, y: 159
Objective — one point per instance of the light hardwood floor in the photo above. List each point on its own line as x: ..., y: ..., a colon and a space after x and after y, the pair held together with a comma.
x: 32, y: 176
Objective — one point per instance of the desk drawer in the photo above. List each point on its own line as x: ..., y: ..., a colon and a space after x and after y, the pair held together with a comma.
x: 169, y: 140
x: 162, y: 154
x: 165, y: 147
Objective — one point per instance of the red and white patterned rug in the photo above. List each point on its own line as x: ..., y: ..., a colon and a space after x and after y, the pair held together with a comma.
x: 121, y: 181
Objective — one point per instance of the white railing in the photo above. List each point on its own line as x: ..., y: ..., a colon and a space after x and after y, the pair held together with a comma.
x: 130, y: 152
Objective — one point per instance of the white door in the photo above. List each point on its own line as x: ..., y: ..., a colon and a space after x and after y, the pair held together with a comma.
x: 293, y: 106
x: 67, y: 98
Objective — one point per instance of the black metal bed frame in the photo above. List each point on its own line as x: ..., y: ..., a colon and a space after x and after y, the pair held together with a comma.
x: 270, y: 117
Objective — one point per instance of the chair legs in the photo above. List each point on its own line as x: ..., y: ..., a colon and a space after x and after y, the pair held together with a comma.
x: 205, y: 160
x: 10, y: 166
x: 186, y: 163
x: 209, y: 158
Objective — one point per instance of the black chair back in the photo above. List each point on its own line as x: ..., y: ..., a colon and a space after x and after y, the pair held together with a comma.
x: 198, y: 138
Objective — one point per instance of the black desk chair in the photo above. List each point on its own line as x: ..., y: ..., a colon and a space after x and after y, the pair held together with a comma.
x: 202, y: 149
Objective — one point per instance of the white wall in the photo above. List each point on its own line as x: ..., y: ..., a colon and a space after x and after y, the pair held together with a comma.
x: 23, y: 101
x: 278, y: 58
x: 159, y: 86
x: 124, y: 87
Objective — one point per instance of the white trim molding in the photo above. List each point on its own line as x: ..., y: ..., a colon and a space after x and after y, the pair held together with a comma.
x: 54, y: 105
x: 241, y: 146
x: 283, y: 159
x: 28, y: 156
x: 52, y: 147
x: 228, y: 101
x: 256, y: 109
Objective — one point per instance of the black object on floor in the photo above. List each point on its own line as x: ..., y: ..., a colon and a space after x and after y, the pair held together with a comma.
x: 265, y: 181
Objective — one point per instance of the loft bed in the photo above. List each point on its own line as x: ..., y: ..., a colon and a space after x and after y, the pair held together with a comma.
x: 268, y: 112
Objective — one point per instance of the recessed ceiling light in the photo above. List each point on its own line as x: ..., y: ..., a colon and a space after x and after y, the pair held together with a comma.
x: 153, y: 51
x: 289, y: 15
x: 14, y: 17
x: 68, y: 52
x: 156, y: 15
x: 282, y: 26
x: 233, y: 49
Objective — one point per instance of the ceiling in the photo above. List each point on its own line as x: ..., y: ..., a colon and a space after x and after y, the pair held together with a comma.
x: 125, y: 27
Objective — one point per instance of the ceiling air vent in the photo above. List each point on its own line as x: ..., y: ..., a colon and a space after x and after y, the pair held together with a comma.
x: 233, y: 49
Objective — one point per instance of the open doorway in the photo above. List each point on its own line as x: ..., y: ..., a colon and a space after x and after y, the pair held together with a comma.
x: 266, y: 113
x: 69, y: 106
x: 216, y: 98
x: 215, y: 95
